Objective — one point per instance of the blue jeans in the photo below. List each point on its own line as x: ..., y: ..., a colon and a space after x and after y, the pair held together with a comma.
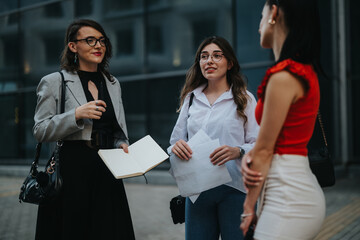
x: 216, y: 211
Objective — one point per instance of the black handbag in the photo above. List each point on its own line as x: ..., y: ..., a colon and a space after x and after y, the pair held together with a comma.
x: 177, y: 208
x: 44, y: 186
x: 250, y: 233
x: 320, y: 161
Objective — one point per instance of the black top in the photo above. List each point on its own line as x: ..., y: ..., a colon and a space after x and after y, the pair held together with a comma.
x: 103, y: 129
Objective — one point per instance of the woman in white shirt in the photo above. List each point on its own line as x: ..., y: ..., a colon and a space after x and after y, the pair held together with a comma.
x: 223, y: 108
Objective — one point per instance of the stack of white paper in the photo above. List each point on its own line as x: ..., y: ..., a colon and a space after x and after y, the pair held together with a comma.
x: 198, y: 174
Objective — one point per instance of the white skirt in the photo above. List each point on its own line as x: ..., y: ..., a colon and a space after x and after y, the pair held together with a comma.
x: 292, y: 204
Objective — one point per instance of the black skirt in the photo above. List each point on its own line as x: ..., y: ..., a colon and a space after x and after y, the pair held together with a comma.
x: 93, y: 204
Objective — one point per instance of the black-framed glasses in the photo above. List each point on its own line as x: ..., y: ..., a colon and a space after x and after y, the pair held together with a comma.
x: 216, y: 57
x: 92, y: 41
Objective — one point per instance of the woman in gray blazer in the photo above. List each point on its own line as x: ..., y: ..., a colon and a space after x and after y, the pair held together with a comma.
x: 93, y: 204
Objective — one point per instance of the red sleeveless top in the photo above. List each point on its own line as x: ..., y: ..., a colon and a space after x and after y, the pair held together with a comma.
x: 300, y: 121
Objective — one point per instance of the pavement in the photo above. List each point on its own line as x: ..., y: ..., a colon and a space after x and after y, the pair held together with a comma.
x: 149, y: 206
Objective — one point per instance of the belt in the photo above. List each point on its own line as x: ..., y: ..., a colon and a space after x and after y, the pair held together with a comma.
x: 100, y: 140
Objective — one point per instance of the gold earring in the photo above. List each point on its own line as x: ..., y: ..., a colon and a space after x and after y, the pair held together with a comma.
x: 271, y: 21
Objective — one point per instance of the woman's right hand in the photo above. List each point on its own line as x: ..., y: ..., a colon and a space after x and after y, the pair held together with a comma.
x: 182, y: 150
x: 90, y: 110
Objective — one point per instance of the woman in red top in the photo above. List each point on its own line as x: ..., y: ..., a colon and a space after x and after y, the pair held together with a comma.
x: 292, y: 204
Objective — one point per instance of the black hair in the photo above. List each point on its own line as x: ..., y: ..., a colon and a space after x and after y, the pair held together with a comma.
x: 302, y: 43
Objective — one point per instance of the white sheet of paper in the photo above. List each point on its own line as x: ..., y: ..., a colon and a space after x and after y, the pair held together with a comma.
x: 198, y: 174
x: 199, y: 138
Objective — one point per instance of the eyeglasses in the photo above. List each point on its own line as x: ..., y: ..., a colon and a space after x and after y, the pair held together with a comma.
x: 216, y: 57
x: 92, y: 41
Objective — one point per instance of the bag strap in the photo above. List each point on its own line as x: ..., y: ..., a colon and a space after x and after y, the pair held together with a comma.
x: 62, y: 110
x: 190, y: 103
x: 63, y: 89
x: 322, y: 128
x: 191, y: 99
x: 33, y: 169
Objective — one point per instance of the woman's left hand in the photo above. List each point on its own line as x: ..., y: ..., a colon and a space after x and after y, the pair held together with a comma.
x: 124, y: 146
x: 223, y: 154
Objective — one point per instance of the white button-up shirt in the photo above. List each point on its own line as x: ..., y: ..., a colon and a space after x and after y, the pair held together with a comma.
x: 221, y: 121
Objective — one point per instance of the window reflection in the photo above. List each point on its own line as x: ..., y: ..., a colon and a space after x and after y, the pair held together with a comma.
x: 83, y: 7
x: 53, y: 44
x: 156, y: 44
x: 25, y: 3
x: 8, y: 6
x: 54, y: 10
x: 122, y: 5
x: 125, y: 42
x: 10, y: 44
x: 202, y: 29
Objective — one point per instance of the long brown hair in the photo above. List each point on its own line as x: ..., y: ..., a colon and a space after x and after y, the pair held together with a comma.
x: 194, y: 77
x: 68, y: 57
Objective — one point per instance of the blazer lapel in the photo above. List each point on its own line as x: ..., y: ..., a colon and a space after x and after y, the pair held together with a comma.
x: 74, y: 85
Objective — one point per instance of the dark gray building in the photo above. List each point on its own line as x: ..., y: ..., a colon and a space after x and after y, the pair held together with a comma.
x: 154, y: 44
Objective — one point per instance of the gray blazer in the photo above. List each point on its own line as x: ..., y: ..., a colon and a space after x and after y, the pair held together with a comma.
x: 51, y: 126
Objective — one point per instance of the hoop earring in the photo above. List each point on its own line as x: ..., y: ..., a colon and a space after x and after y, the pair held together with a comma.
x: 271, y: 21
x: 75, y: 58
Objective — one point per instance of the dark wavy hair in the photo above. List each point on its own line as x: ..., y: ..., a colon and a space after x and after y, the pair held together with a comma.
x: 303, y: 41
x: 194, y: 77
x: 68, y: 57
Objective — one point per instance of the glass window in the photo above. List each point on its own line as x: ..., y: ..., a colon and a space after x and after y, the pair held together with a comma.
x: 155, y: 41
x: 10, y: 57
x: 159, y: 41
x: 26, y: 3
x: 126, y: 36
x: 154, y: 2
x: 202, y: 29
x: 125, y: 42
x: 54, y: 44
x: 6, y: 6
x: 13, y: 19
x: 112, y: 6
x: 44, y: 41
x: 54, y: 10
x: 9, y: 120
x: 83, y: 7
x: 174, y: 34
x: 10, y: 45
x: 248, y: 16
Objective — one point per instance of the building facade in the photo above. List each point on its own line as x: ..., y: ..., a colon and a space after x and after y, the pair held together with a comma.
x: 154, y: 43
